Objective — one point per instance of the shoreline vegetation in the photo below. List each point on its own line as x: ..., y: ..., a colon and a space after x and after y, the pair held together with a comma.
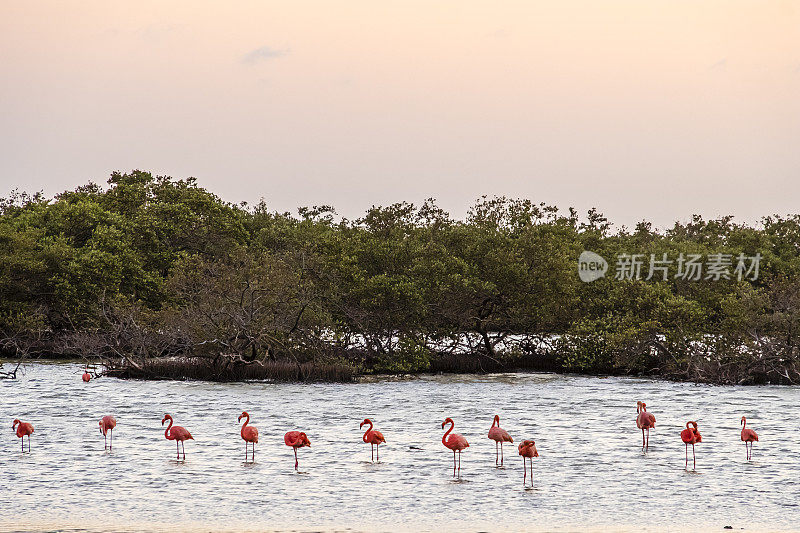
x: 156, y: 278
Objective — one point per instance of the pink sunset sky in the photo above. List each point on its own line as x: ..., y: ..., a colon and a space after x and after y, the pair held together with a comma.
x: 645, y: 109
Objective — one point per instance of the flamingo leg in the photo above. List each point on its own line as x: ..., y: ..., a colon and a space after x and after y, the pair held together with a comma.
x: 501, y: 453
x: 454, y: 463
x: 378, y: 452
x: 372, y: 452
x: 524, y: 471
x: 459, y: 462
x: 105, y: 442
x: 496, y: 453
x: 531, y: 472
x: 642, y: 439
x: 694, y: 459
x: 686, y: 466
x: 647, y: 446
x: 111, y: 444
x: 295, y: 458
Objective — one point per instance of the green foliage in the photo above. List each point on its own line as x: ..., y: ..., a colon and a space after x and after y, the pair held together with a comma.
x: 409, y: 356
x: 149, y: 257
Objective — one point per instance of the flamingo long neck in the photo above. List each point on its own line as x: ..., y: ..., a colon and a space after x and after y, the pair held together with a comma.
x: 246, y: 420
x: 367, y: 431
x: 744, y: 423
x: 496, y: 421
x: 14, y: 425
x: 166, y: 431
x: 446, y: 433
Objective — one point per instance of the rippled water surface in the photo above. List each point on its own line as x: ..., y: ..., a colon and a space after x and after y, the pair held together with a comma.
x: 590, y: 473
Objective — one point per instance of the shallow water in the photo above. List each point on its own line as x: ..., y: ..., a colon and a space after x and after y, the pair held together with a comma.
x: 590, y: 473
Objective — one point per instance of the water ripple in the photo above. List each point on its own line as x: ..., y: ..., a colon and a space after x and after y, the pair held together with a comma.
x: 591, y: 472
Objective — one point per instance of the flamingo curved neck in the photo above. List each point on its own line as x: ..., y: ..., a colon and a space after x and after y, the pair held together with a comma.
x: 446, y: 433
x: 166, y: 431
x: 246, y: 421
x: 367, y: 431
x: 496, y: 421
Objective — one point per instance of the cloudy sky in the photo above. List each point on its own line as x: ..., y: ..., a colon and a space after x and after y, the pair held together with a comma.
x: 646, y: 109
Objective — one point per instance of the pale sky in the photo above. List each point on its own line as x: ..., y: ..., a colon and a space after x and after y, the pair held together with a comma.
x: 646, y: 109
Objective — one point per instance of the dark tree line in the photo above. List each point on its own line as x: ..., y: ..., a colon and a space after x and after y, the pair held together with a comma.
x: 151, y: 269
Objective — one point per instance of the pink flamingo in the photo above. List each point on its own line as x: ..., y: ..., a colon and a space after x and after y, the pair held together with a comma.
x: 644, y: 421
x: 748, y: 435
x: 108, y: 423
x: 178, y: 434
x: 455, y: 442
x: 527, y: 448
x: 373, y: 437
x: 86, y: 376
x: 296, y: 439
x: 691, y: 436
x: 249, y: 434
x: 23, y: 428
x: 499, y: 436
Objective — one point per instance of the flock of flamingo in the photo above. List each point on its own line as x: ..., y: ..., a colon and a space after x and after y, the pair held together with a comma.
x: 645, y: 421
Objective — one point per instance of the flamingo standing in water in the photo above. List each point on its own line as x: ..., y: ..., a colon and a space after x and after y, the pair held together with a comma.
x: 691, y: 436
x: 455, y: 442
x: 644, y: 421
x: 23, y: 428
x: 107, y: 424
x: 373, y: 437
x: 86, y: 376
x: 178, y: 434
x: 527, y: 448
x: 296, y: 439
x: 249, y: 434
x: 499, y: 436
x: 748, y: 435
